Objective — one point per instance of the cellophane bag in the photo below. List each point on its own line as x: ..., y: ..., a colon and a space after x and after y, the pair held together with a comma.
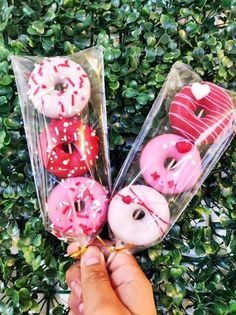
x: 63, y: 106
x: 188, y: 128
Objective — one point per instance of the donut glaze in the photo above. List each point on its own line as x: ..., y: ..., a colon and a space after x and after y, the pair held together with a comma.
x: 68, y: 147
x: 138, y: 215
x: 77, y: 207
x: 59, y: 87
x: 182, y: 176
x: 215, y: 104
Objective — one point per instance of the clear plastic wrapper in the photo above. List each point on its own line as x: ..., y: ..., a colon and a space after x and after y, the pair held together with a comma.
x: 64, y: 112
x: 189, y: 126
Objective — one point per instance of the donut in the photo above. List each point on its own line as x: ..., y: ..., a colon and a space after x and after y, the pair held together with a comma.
x: 201, y: 112
x: 59, y: 87
x: 138, y: 215
x: 68, y: 147
x: 77, y: 207
x: 157, y: 159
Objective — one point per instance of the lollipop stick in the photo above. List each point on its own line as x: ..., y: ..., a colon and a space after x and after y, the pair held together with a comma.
x: 200, y: 114
x: 172, y: 162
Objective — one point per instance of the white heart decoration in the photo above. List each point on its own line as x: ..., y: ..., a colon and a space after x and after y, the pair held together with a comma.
x: 200, y: 90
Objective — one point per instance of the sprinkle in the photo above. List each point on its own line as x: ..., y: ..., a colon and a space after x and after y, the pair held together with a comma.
x: 86, y: 143
x: 83, y: 98
x: 65, y: 203
x: 93, y: 134
x: 60, y: 204
x: 66, y: 124
x: 51, y: 168
x: 165, y: 146
x: 84, y: 75
x: 66, y: 209
x: 57, y: 131
x: 65, y: 64
x: 54, y: 140
x: 65, y: 162
x: 173, y: 143
x: 55, y: 69
x: 75, y: 136
x: 44, y: 86
x: 72, y: 100
x: 62, y: 106
x: 71, y: 82
x: 33, y: 79
x: 81, y: 81
x: 40, y: 71
x: 36, y: 91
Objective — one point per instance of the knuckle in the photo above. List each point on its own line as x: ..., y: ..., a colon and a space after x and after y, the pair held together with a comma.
x: 96, y: 275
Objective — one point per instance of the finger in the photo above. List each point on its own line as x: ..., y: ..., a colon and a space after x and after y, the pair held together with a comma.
x: 131, y: 284
x: 96, y: 286
x: 75, y: 297
x: 73, y: 274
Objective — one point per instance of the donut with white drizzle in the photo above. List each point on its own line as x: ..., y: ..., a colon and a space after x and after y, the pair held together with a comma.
x: 77, y: 207
x: 59, y: 87
x: 201, y: 112
x: 138, y: 215
x: 68, y: 147
x: 170, y: 164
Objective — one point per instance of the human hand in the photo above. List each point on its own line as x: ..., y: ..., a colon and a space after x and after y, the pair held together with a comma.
x: 121, y: 288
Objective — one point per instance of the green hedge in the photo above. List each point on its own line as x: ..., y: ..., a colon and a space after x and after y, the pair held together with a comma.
x: 142, y: 39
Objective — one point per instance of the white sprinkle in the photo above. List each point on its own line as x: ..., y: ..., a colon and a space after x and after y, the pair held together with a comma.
x: 93, y: 134
x: 89, y: 152
x: 76, y: 168
x: 91, y: 162
x: 164, y: 146
x: 75, y: 136
x: 57, y: 219
x: 173, y: 143
x: 51, y: 168
x: 60, y: 204
x: 84, y: 127
x: 65, y: 203
x: 65, y: 162
x: 66, y: 124
x: 56, y: 130
x: 54, y: 140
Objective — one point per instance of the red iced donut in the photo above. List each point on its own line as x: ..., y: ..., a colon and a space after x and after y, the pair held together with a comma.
x: 201, y: 112
x: 68, y: 147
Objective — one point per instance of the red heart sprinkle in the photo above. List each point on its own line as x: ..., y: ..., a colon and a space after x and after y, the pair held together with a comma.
x: 184, y: 146
x: 127, y: 199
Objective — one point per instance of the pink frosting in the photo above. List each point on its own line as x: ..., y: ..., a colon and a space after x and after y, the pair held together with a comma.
x: 77, y: 207
x: 182, y: 176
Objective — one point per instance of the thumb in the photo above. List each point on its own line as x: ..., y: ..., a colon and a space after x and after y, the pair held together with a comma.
x: 98, y: 294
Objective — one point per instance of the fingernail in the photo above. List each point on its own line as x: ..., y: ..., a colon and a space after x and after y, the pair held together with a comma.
x: 75, y: 287
x: 91, y: 256
x: 81, y: 308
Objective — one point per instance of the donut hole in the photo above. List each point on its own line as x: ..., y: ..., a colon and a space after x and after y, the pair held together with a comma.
x: 200, y: 112
x: 170, y: 163
x: 68, y: 147
x: 138, y: 214
x: 79, y: 205
x: 60, y: 87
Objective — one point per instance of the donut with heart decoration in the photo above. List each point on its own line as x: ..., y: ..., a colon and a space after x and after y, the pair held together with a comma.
x: 175, y: 165
x: 201, y: 112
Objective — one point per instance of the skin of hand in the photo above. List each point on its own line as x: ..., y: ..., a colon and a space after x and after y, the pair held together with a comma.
x: 117, y: 288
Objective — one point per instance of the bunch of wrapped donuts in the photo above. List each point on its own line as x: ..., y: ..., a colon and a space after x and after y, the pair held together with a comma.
x: 188, y: 128
x: 172, y: 163
x: 60, y: 89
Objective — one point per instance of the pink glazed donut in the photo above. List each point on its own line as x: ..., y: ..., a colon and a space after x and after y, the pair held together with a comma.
x: 138, y: 215
x: 59, y: 87
x: 77, y: 207
x: 157, y: 156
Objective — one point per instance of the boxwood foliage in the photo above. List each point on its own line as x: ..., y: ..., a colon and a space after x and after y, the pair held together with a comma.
x: 194, y: 269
